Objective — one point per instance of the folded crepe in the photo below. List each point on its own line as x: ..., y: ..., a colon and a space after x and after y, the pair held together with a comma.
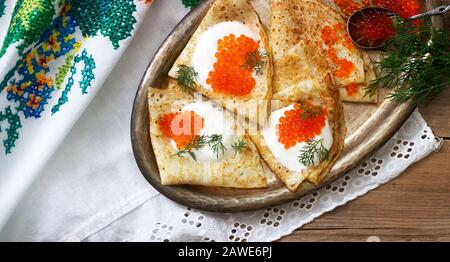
x: 305, y: 133
x: 181, y: 162
x: 304, y: 136
x: 230, y: 57
x: 309, y: 38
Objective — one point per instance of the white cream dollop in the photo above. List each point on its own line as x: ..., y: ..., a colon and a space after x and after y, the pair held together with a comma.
x: 204, y: 56
x: 289, y: 157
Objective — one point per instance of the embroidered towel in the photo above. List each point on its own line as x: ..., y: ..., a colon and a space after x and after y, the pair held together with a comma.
x: 54, y: 57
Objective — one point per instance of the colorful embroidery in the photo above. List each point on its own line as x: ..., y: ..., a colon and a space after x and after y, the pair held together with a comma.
x: 191, y: 3
x: 30, y: 84
x: 30, y: 18
x: 33, y: 88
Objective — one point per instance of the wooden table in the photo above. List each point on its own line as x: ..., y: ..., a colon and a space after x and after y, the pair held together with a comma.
x: 413, y: 207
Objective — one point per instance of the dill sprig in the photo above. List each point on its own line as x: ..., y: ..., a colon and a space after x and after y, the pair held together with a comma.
x: 310, y: 112
x: 214, y: 142
x: 413, y: 66
x: 238, y: 146
x: 194, y: 144
x: 256, y: 60
x: 314, y: 150
x: 186, y: 76
x: 216, y: 145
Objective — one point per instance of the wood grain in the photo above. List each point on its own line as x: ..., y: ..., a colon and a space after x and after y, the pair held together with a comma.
x: 413, y: 207
x: 447, y: 16
x: 437, y: 114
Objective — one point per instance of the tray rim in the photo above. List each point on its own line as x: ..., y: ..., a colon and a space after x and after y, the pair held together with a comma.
x: 402, y: 113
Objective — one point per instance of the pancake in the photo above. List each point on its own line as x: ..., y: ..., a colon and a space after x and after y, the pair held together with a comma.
x: 309, y: 40
x: 230, y: 56
x: 305, y: 134
x: 285, y: 162
x: 232, y: 168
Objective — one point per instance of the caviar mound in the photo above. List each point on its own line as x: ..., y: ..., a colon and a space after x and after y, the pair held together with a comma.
x: 333, y: 35
x: 300, y: 124
x: 181, y: 127
x: 230, y: 75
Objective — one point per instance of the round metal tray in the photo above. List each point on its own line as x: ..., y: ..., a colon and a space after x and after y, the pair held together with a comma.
x: 369, y: 127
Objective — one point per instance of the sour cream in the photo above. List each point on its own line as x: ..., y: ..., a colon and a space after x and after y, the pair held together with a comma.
x: 289, y: 157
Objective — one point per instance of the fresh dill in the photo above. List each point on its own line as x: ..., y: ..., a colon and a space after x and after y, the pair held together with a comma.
x: 310, y: 112
x: 194, y: 144
x: 238, y: 146
x: 412, y: 65
x: 216, y: 145
x: 186, y: 76
x: 214, y: 142
x: 256, y: 60
x: 313, y: 150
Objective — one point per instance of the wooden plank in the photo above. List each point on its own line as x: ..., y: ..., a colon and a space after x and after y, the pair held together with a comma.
x: 414, y: 206
x: 437, y: 114
x: 447, y: 16
x: 372, y: 235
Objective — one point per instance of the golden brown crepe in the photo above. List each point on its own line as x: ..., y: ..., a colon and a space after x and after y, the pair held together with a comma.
x: 301, y: 74
x: 325, y: 95
x: 301, y: 54
x: 243, y: 170
x: 240, y: 11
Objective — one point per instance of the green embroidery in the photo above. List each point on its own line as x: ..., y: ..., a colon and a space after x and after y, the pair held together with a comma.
x: 9, y: 75
x: 63, y: 71
x: 2, y: 7
x: 113, y: 18
x: 87, y: 77
x: 12, y: 135
x: 29, y: 20
x: 191, y: 3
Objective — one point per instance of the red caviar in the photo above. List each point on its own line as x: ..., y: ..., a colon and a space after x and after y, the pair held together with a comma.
x: 298, y: 126
x: 332, y: 35
x: 181, y: 127
x: 230, y: 76
x: 348, y: 43
x: 405, y: 8
x: 348, y: 7
x: 352, y: 89
x: 374, y: 28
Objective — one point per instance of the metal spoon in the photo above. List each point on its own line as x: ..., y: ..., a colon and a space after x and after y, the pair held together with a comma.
x: 353, y: 20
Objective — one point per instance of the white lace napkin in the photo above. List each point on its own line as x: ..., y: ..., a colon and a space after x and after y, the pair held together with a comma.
x: 92, y: 190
